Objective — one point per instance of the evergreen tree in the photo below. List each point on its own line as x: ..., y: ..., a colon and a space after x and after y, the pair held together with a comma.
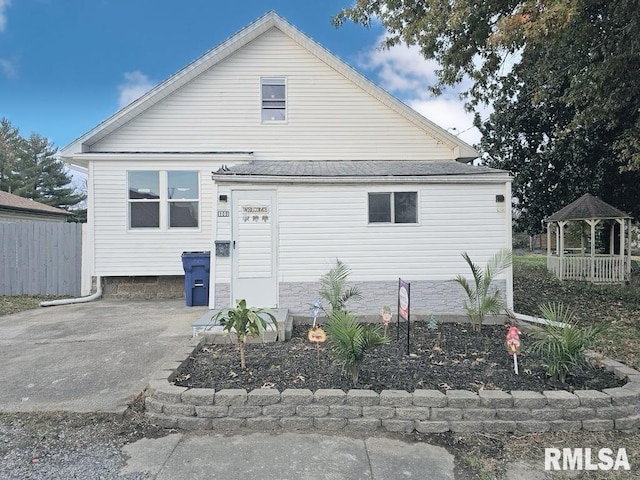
x: 43, y: 176
x: 10, y: 146
x: 29, y: 168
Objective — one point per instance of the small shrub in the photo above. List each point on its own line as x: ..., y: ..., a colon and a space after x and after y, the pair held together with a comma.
x: 349, y: 341
x: 244, y: 322
x: 480, y: 301
x: 333, y: 287
x: 560, y: 342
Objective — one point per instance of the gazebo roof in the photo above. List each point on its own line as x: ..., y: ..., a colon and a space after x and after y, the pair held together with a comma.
x: 587, y: 207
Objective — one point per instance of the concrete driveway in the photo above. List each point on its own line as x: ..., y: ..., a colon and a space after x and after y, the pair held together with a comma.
x: 88, y: 357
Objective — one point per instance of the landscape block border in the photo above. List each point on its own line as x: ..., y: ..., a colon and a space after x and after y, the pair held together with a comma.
x: 423, y: 411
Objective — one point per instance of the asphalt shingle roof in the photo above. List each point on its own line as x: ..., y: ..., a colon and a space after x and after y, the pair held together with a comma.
x: 354, y: 168
x: 14, y: 202
x: 585, y: 208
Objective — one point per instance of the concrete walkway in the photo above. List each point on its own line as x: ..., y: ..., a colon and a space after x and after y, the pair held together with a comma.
x: 294, y: 456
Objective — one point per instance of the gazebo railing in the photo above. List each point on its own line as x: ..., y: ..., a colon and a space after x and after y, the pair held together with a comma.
x: 606, y: 268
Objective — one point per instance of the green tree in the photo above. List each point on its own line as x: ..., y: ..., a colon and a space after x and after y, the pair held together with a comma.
x: 566, y: 116
x: 29, y: 168
x: 595, y: 44
x: 551, y: 169
x: 10, y: 145
x: 43, y: 176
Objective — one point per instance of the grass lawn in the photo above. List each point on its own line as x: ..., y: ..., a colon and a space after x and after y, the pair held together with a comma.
x: 18, y: 303
x: 615, y: 305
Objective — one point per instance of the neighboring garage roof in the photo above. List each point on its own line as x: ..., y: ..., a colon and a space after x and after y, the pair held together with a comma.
x: 353, y: 169
x: 587, y: 207
x: 8, y: 201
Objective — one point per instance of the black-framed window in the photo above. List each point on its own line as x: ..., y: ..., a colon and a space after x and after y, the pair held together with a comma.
x: 273, y: 91
x: 393, y: 207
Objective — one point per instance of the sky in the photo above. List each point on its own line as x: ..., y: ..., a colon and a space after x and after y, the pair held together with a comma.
x: 66, y: 65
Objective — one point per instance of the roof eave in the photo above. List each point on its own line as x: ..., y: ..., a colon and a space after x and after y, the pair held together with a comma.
x: 34, y: 210
x: 223, y: 178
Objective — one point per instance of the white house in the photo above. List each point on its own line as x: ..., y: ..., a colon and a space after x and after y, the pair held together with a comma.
x: 273, y: 147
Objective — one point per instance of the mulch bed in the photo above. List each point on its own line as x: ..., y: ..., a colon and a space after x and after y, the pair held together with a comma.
x: 448, y: 357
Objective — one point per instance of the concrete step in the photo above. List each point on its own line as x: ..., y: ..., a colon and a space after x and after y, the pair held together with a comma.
x: 207, y: 325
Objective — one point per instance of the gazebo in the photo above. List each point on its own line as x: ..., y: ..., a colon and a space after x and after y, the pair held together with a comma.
x: 584, y: 262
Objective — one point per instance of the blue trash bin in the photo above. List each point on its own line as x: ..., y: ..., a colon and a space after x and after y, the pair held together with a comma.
x: 196, y: 278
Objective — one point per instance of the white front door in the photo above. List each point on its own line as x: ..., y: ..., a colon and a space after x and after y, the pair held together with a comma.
x: 254, y: 247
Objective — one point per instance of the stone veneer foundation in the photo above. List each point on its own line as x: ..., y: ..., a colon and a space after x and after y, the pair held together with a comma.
x: 425, y: 411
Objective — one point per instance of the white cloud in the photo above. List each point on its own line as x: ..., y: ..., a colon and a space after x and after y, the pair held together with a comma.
x: 8, y: 68
x: 4, y: 4
x: 404, y: 72
x: 135, y: 85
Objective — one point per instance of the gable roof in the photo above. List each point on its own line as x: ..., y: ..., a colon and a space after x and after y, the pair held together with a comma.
x: 462, y: 151
x: 587, y: 207
x: 8, y: 201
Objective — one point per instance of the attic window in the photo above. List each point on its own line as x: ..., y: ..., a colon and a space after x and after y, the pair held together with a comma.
x: 274, y: 99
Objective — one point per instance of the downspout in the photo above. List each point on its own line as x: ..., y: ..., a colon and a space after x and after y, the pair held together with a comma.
x: 69, y: 301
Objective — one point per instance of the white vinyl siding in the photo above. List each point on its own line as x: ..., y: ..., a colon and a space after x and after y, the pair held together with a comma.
x: 121, y: 251
x: 328, y: 116
x: 319, y: 224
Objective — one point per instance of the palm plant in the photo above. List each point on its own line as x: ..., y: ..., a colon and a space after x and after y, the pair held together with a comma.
x: 481, y: 301
x: 333, y: 287
x: 560, y: 342
x: 349, y: 341
x: 244, y: 322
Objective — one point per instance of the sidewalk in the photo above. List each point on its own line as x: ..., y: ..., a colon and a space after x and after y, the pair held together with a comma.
x: 295, y: 456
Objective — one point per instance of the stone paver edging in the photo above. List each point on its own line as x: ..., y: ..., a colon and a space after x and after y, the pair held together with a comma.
x: 426, y: 411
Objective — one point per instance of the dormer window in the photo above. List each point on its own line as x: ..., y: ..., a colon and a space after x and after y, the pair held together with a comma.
x: 274, y: 99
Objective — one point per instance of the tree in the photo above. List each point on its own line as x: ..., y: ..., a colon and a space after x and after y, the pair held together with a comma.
x: 531, y: 135
x: 10, y: 142
x: 44, y: 178
x: 550, y: 169
x: 593, y: 43
x: 566, y: 116
x: 29, y: 168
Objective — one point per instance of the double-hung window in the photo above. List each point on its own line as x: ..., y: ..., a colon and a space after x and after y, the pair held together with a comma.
x: 274, y: 99
x: 183, y: 199
x: 163, y: 199
x: 144, y: 199
x: 393, y: 207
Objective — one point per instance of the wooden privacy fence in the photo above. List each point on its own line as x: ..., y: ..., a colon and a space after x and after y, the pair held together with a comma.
x: 40, y: 258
